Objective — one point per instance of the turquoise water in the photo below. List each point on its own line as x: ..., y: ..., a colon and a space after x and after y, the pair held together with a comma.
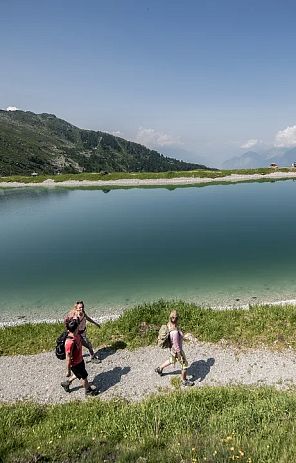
x: 216, y: 244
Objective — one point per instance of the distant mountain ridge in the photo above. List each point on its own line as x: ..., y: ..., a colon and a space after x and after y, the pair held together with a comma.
x: 252, y: 159
x: 43, y: 143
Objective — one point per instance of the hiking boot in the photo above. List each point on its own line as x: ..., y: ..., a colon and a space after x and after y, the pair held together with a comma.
x: 158, y: 370
x: 187, y: 383
x: 95, y: 359
x: 66, y: 386
x: 91, y: 392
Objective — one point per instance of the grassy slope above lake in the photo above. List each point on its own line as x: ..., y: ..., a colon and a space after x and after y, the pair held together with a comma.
x: 271, y: 326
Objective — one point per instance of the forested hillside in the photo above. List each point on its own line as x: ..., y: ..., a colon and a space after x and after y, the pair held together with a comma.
x: 43, y: 143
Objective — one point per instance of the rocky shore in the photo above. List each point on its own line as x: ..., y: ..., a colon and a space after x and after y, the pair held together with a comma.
x: 134, y: 182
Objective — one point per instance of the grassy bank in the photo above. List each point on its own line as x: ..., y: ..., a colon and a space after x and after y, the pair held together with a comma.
x: 141, y: 175
x: 271, y: 326
x: 201, y: 425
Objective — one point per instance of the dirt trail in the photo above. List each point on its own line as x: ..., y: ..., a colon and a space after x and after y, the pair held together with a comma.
x: 130, y: 374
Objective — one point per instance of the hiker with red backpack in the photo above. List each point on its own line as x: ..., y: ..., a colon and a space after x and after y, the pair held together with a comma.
x: 74, y: 359
x: 171, y: 336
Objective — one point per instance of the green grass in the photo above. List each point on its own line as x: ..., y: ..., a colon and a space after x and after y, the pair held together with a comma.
x: 271, y: 326
x: 250, y: 425
x: 141, y: 175
x: 200, y: 425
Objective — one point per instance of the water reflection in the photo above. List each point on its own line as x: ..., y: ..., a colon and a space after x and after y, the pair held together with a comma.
x: 30, y: 193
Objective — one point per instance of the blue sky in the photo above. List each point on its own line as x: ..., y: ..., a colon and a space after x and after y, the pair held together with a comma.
x: 202, y: 80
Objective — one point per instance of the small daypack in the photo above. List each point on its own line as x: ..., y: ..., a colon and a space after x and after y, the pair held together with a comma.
x: 60, y: 346
x: 164, y: 340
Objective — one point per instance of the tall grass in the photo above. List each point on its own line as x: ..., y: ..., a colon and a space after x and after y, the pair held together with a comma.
x: 206, y: 424
x: 272, y: 326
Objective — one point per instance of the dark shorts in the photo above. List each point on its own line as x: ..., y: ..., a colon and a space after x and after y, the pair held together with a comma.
x: 80, y: 371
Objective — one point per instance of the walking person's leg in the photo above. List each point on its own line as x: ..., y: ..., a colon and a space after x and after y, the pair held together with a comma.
x: 184, y: 366
x: 85, y: 341
x: 81, y: 373
x: 66, y: 384
x: 167, y: 363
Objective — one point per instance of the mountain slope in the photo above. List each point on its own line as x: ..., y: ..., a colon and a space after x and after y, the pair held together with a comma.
x: 43, y: 143
x: 287, y: 158
x: 284, y: 157
x: 248, y: 160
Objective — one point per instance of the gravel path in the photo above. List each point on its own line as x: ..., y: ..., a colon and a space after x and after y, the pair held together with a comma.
x: 130, y: 374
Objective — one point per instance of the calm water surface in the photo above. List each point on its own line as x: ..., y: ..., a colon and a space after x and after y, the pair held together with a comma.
x: 214, y: 244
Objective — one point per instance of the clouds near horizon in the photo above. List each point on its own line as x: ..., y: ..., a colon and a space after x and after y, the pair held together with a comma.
x: 154, y: 138
x: 286, y: 138
x: 250, y: 143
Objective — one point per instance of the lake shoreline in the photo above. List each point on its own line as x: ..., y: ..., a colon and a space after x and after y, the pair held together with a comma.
x: 18, y: 320
x: 134, y: 182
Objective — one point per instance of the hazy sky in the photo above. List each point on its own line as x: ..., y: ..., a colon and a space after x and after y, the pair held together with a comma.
x: 200, y: 79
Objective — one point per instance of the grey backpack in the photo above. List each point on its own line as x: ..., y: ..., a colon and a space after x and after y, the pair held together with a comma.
x: 164, y: 340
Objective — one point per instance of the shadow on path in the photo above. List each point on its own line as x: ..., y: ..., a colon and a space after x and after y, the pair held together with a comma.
x: 198, y: 370
x: 104, y: 352
x: 110, y: 350
x: 76, y: 388
x: 103, y: 381
x: 176, y: 371
x: 201, y: 368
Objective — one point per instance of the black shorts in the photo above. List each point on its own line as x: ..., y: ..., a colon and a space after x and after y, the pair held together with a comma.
x: 80, y: 371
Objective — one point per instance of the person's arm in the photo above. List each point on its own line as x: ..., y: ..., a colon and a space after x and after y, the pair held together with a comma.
x: 91, y: 320
x: 68, y: 362
x: 69, y: 354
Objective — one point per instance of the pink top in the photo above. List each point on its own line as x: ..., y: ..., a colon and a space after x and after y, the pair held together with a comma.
x: 73, y: 343
x: 176, y: 340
